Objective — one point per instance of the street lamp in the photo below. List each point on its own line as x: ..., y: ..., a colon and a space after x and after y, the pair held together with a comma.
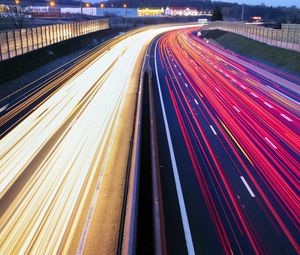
x: 102, y: 5
x: 87, y: 5
x: 52, y: 3
x: 125, y: 6
x: 17, y: 2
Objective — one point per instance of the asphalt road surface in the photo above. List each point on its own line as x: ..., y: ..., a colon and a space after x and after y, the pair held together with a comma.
x: 58, y: 134
x: 229, y: 144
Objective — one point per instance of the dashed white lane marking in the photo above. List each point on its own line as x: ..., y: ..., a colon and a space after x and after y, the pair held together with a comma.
x: 212, y: 128
x: 236, y: 109
x: 286, y: 117
x: 267, y: 104
x: 242, y: 86
x: 247, y: 186
x: 272, y: 144
x: 2, y: 109
x: 196, y: 101
x: 184, y: 217
x: 185, y: 84
x: 217, y: 89
x: 254, y: 95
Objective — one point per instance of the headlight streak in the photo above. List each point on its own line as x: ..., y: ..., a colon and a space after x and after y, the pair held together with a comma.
x: 62, y: 143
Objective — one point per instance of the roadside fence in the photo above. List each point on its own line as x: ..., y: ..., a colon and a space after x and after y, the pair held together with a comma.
x: 287, y: 37
x: 17, y: 42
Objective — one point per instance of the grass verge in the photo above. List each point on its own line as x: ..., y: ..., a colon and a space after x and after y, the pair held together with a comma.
x: 277, y: 57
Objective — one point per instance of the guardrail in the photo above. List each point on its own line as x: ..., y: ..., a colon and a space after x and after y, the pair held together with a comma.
x: 287, y: 37
x: 17, y: 42
x: 144, y: 161
x: 128, y: 227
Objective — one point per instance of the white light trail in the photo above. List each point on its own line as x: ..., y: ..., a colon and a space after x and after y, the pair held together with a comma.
x: 62, y: 143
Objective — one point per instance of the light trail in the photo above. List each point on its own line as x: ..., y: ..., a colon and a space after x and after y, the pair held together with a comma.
x: 60, y: 146
x: 258, y: 140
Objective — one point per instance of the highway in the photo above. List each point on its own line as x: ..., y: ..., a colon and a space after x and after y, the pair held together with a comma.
x: 229, y: 150
x: 64, y: 149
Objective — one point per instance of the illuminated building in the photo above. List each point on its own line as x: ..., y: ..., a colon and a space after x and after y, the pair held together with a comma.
x: 93, y: 11
x: 150, y: 11
x: 181, y: 11
x: 3, y: 8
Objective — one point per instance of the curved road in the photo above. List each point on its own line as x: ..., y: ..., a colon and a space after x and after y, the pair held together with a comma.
x: 63, y: 152
x: 229, y: 146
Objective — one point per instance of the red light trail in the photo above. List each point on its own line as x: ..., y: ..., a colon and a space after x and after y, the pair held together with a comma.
x: 239, y: 129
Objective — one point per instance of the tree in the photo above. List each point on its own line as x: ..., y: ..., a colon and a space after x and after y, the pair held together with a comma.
x: 217, y: 14
x: 17, y: 16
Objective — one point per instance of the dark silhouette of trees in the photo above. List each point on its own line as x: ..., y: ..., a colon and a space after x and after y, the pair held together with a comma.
x: 217, y: 14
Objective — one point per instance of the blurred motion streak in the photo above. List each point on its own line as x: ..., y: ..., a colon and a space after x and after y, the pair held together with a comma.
x: 62, y: 143
x: 242, y: 133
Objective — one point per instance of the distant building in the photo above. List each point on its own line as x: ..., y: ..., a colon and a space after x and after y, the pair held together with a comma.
x: 150, y: 11
x: 42, y: 9
x: 93, y: 11
x: 38, y: 9
x: 181, y: 11
x: 86, y: 10
x: 118, y: 12
x: 205, y: 13
x: 4, y: 8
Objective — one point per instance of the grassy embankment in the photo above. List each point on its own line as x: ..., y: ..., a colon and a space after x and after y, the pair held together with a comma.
x: 286, y: 60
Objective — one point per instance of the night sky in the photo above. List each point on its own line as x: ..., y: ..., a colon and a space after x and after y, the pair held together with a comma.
x: 268, y: 2
x: 255, y: 2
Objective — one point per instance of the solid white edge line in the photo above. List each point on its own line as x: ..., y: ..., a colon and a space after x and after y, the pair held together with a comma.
x: 184, y: 217
x: 283, y: 95
x: 247, y: 186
